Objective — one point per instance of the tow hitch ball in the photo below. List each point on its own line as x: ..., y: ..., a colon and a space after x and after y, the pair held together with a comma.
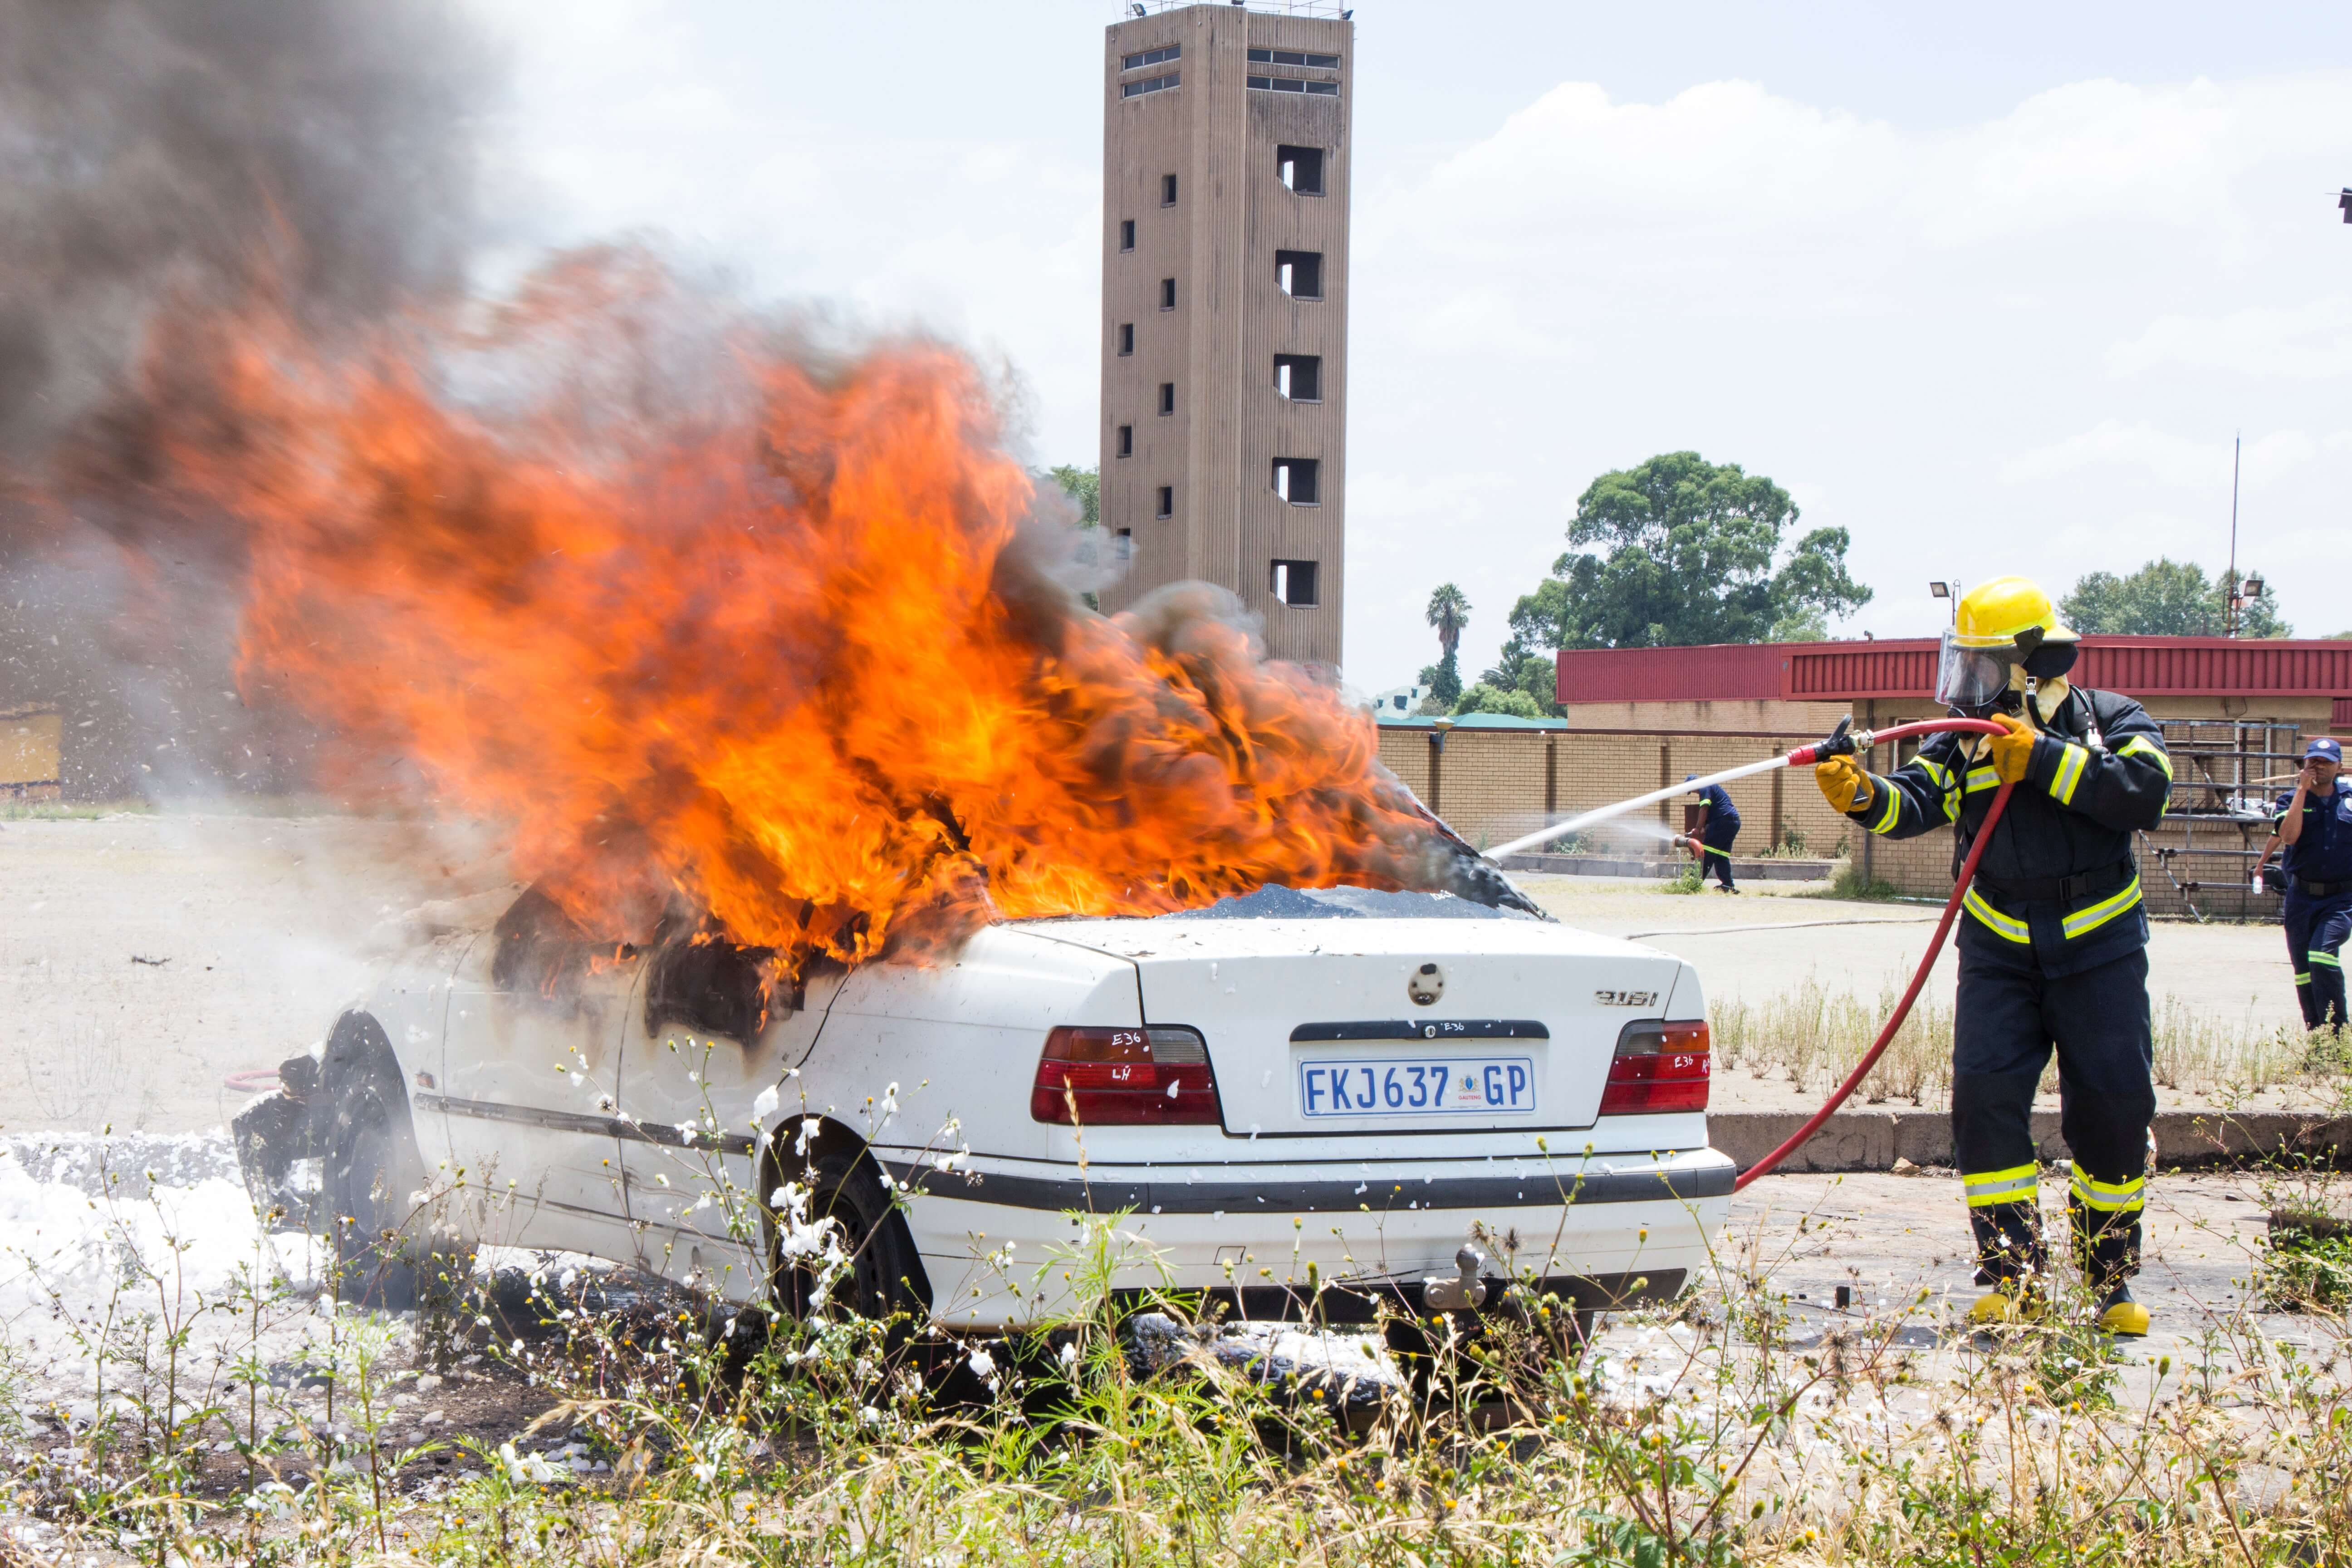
x: 1465, y: 1292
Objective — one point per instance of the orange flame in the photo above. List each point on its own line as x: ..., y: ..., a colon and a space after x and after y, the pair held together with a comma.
x: 714, y: 623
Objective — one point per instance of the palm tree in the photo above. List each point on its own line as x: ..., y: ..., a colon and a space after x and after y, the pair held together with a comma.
x: 1449, y: 611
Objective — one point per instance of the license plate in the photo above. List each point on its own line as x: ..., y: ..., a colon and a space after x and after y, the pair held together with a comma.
x: 1399, y: 1086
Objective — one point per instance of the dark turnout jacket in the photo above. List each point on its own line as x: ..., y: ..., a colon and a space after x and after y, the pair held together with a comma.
x: 2058, y: 888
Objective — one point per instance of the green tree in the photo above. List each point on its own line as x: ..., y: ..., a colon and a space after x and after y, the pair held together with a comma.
x: 1083, y: 486
x: 2166, y: 598
x: 1681, y: 551
x: 1449, y: 611
x: 1488, y: 697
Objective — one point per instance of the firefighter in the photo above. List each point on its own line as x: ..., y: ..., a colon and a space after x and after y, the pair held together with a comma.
x: 2054, y: 948
x: 1718, y: 825
x: 2315, y: 825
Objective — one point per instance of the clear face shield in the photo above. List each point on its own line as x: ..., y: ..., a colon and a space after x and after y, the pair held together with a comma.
x: 1970, y: 678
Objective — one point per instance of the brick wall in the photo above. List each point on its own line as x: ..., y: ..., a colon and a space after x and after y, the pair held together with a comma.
x: 1493, y: 785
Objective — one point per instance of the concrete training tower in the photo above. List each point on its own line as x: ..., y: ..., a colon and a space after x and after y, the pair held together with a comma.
x: 1224, y: 296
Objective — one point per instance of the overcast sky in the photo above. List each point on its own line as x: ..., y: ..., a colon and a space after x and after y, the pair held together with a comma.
x: 1993, y: 287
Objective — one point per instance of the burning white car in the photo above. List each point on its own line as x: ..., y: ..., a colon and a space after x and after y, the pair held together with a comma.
x: 1344, y: 1093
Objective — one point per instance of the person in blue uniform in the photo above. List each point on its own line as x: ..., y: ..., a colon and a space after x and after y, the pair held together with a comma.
x: 2053, y: 949
x: 1718, y: 825
x: 2315, y: 830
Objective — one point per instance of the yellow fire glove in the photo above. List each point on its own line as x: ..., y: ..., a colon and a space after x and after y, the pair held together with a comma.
x: 2011, y: 754
x: 1843, y: 783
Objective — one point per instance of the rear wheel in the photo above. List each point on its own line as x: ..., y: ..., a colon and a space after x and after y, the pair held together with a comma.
x: 882, y: 1276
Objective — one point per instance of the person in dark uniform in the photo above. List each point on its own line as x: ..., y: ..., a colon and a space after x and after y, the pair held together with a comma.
x: 1718, y: 825
x: 2053, y: 949
x: 2315, y: 827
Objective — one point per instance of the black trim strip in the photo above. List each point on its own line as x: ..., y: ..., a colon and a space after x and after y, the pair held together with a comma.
x: 614, y: 1127
x: 1426, y: 1029
x: 1711, y: 1178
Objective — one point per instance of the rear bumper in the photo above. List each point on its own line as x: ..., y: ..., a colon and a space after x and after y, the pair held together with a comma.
x: 997, y: 1248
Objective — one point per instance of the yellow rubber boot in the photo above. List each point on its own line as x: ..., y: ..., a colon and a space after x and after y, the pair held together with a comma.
x: 2009, y: 1304
x: 2123, y: 1317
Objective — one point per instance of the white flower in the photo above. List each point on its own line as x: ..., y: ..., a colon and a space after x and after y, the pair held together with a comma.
x: 984, y: 1365
x: 686, y: 1129
x: 1069, y: 1357
x: 764, y: 1106
x: 522, y: 1467
x: 810, y: 1127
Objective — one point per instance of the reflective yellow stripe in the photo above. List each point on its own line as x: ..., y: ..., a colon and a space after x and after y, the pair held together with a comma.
x: 2303, y: 980
x: 2070, y: 759
x: 2015, y: 1185
x: 1998, y: 923
x: 1894, y: 812
x: 2114, y: 1197
x: 1935, y: 770
x: 2325, y: 960
x: 1982, y: 778
x: 2141, y: 746
x: 2100, y: 913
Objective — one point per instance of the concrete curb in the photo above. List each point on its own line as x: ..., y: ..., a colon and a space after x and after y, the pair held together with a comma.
x: 1617, y: 866
x: 1873, y: 1140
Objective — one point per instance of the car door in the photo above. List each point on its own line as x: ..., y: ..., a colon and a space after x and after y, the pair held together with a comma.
x: 710, y: 1028
x: 531, y: 1070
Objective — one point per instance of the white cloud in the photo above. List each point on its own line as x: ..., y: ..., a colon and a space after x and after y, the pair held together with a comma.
x: 2167, y: 460
x: 2308, y: 343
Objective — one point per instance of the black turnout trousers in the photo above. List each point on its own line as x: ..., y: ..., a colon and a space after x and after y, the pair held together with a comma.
x: 1717, y: 837
x: 2008, y: 1018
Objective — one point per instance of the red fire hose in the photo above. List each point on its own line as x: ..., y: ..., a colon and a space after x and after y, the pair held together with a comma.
x: 1842, y: 744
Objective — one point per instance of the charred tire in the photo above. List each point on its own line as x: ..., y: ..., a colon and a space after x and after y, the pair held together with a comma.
x: 885, y: 1276
x: 372, y: 1166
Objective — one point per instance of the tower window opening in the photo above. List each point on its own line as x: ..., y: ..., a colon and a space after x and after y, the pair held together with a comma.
x: 1160, y: 56
x: 1167, y: 293
x: 1126, y: 440
x: 1126, y: 234
x: 1295, y: 480
x: 1123, y: 546
x: 1167, y: 398
x: 1167, y: 505
x: 1299, y: 273
x: 1167, y: 190
x: 1301, y: 169
x: 1127, y: 337
x: 1299, y: 377
x: 1292, y: 583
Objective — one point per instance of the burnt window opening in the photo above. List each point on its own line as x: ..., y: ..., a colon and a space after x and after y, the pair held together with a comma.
x: 1292, y: 583
x: 543, y: 955
x: 1126, y: 234
x: 1300, y: 169
x: 1167, y: 190
x: 1167, y: 502
x: 1167, y: 293
x: 1127, y: 337
x: 1299, y: 273
x: 1126, y: 440
x: 1123, y: 546
x: 1149, y: 84
x: 1299, y: 377
x: 1294, y: 84
x: 1160, y: 57
x: 1297, y: 480
x: 1167, y: 398
x: 709, y: 985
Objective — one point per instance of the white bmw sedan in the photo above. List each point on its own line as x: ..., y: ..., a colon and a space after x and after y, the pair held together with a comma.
x: 1343, y: 1094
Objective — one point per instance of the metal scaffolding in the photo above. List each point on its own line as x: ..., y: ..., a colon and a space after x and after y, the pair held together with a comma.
x: 2226, y: 775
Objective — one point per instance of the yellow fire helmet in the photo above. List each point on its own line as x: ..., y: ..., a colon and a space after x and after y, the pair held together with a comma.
x: 1992, y: 614
x: 1998, y: 624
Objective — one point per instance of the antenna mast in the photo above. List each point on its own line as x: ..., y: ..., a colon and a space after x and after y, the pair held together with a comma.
x: 2230, y: 597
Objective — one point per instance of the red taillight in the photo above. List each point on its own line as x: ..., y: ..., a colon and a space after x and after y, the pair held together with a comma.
x: 1124, y: 1078
x: 1658, y: 1066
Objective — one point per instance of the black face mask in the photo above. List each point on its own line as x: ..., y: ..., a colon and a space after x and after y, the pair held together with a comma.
x: 2050, y: 660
